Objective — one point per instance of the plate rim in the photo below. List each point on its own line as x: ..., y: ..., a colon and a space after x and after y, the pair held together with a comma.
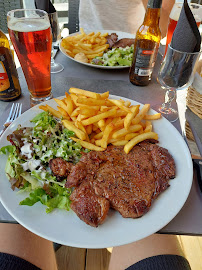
x: 77, y: 243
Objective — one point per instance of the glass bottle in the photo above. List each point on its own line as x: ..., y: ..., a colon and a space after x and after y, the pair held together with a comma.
x: 146, y: 45
x: 9, y: 83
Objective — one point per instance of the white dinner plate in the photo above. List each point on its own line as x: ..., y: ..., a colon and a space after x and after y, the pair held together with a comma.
x: 120, y: 35
x: 66, y: 228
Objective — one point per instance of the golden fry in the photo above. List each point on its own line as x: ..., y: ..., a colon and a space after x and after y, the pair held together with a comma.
x: 101, y: 123
x: 130, y: 136
x: 81, y: 127
x: 148, y: 127
x: 98, y: 117
x: 122, y: 132
x: 106, y: 134
x: 63, y: 112
x: 75, y: 112
x: 129, y: 117
x: 119, y: 104
x: 93, y: 102
x: 139, y: 138
x: 152, y: 116
x: 88, y: 112
x: 120, y: 143
x: 43, y: 107
x: 104, y: 95
x: 69, y: 103
x: 74, y: 99
x: 61, y: 103
x: 141, y: 114
x: 79, y: 133
x: 84, y: 93
x: 51, y: 110
x: 98, y: 135
x: 88, y: 145
x: 89, y: 129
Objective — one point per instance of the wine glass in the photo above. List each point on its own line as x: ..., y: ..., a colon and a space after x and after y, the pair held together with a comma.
x: 176, y: 73
x: 53, y: 17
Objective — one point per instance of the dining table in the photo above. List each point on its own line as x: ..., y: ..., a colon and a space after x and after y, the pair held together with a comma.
x: 189, y: 220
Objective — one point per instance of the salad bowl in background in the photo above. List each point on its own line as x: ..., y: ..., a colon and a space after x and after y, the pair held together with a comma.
x: 120, y: 35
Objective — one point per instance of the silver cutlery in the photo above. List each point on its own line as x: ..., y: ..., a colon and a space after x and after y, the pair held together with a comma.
x: 14, y: 113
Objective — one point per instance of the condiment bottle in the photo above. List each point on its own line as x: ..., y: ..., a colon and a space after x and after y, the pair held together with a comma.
x: 146, y: 45
x: 9, y: 83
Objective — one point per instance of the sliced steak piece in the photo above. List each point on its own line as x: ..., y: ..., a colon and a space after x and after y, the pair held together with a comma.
x: 60, y: 168
x: 124, y: 42
x: 89, y: 207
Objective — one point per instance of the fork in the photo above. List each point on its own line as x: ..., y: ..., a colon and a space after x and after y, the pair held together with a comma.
x: 15, y: 111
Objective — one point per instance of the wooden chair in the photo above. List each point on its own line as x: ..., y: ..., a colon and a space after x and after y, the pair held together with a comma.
x: 5, y: 6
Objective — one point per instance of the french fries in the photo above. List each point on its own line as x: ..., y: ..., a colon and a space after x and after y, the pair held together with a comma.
x: 91, y: 45
x: 98, y: 121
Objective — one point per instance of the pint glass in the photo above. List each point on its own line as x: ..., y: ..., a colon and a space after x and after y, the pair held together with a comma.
x: 174, y: 16
x: 31, y: 36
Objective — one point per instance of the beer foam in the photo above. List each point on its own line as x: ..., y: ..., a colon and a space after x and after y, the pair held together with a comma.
x: 30, y: 25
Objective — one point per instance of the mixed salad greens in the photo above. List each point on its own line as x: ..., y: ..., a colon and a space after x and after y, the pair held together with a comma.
x: 115, y: 57
x: 28, y: 158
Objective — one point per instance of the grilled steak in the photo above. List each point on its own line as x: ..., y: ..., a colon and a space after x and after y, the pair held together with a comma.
x: 124, y: 42
x: 129, y: 182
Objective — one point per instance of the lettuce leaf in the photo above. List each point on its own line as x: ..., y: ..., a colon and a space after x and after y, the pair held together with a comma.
x: 7, y: 149
x: 55, y: 197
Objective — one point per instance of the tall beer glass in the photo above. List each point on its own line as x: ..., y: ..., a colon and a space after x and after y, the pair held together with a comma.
x: 31, y: 36
x: 174, y: 16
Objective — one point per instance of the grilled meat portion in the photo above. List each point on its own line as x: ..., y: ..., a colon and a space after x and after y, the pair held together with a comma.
x: 112, y: 39
x: 88, y: 206
x: 127, y: 183
x: 77, y: 174
x: 124, y: 42
x: 60, y: 168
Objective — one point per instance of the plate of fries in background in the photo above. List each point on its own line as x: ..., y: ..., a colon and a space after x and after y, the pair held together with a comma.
x: 98, y: 120
x: 89, y: 45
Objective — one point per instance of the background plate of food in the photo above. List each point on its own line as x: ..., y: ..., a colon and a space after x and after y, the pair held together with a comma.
x: 99, y: 49
x: 65, y: 227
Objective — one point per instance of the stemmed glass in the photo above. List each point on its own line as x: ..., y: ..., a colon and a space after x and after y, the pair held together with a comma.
x: 176, y: 73
x: 53, y: 17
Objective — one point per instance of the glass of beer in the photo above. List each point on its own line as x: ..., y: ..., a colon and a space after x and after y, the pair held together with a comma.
x: 31, y: 36
x: 174, y: 16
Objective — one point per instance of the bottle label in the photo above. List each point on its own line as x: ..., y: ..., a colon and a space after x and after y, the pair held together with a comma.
x: 4, y: 80
x: 145, y: 60
x: 9, y: 84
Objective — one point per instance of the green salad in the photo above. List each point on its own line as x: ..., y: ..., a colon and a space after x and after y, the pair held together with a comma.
x: 27, y: 166
x: 115, y: 57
